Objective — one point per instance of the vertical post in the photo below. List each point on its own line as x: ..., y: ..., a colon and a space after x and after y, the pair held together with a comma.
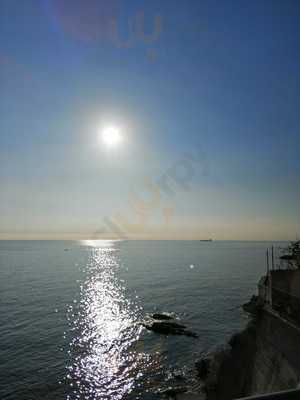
x: 268, y: 267
x: 273, y: 264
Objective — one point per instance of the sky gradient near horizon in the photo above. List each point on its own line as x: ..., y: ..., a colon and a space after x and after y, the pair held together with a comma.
x: 207, y: 101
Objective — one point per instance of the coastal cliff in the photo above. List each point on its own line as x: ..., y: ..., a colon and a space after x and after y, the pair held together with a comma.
x: 264, y: 357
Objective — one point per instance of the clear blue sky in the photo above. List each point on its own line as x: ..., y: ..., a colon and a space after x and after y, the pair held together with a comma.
x: 220, y: 80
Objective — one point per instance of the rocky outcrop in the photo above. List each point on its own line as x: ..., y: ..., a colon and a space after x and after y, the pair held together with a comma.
x: 264, y: 357
x: 162, y: 316
x: 168, y: 328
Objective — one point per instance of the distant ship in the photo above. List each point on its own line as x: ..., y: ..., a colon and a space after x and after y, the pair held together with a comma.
x: 206, y: 240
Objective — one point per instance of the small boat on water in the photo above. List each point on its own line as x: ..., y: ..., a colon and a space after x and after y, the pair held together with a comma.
x: 206, y: 240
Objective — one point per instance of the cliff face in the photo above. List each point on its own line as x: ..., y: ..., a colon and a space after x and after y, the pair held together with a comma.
x: 265, y: 357
x: 276, y: 363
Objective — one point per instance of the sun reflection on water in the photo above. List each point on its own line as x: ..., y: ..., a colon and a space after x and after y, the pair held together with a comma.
x: 104, y: 324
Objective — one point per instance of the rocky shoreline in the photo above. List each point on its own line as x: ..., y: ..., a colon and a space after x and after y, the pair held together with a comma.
x: 262, y: 358
x: 225, y: 370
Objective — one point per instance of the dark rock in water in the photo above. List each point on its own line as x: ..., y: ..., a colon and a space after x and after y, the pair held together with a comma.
x: 191, y: 396
x: 164, y: 323
x: 191, y: 334
x: 162, y: 316
x: 202, y: 367
x: 163, y: 326
x: 178, y: 374
x: 173, y: 391
x: 168, y: 328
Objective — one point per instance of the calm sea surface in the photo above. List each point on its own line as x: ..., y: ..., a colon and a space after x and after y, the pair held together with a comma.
x: 70, y: 313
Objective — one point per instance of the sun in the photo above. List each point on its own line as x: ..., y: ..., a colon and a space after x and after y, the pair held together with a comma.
x: 111, y: 136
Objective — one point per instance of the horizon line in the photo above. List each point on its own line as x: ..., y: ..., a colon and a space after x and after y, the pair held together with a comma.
x: 147, y: 239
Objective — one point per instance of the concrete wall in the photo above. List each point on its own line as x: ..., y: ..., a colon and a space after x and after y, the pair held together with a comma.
x: 287, y: 280
x: 286, y: 293
x: 276, y: 363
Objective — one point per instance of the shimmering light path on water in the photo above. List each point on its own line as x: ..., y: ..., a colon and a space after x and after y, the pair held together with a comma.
x: 105, y: 326
x: 106, y: 353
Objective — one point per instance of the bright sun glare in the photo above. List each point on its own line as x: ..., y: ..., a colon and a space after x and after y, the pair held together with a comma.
x: 111, y: 136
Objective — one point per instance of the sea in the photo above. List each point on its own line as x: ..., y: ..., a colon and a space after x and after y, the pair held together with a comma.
x: 71, y: 313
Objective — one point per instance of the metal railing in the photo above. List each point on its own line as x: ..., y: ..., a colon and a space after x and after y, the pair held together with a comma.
x: 285, y: 395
